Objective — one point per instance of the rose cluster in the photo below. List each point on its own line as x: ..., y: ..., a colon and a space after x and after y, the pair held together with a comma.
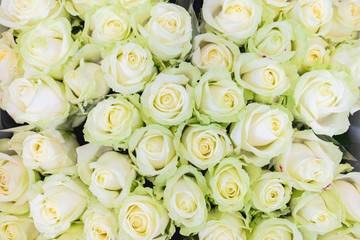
x: 209, y: 125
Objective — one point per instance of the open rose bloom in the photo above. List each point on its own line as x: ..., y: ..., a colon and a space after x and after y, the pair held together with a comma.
x: 179, y: 119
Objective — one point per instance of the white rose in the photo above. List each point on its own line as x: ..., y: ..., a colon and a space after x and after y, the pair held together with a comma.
x: 323, y: 100
x: 262, y: 133
x: 317, y: 53
x: 237, y: 20
x: 45, y: 48
x: 276, y: 229
x: 99, y: 223
x: 38, y: 101
x: 229, y: 184
x: 55, y: 203
x: 128, y: 68
x: 223, y: 226
x: 310, y: 162
x: 75, y: 232
x: 210, y: 51
x: 318, y: 212
x: 111, y: 122
x: 168, y: 100
x: 346, y: 20
x: 314, y: 15
x: 79, y: 7
x: 203, y: 146
x: 17, y: 227
x: 23, y: 13
x: 271, y: 192
x: 168, y: 31
x: 15, y: 182
x: 129, y: 4
x: 184, y: 198
x: 109, y: 175
x: 49, y: 153
x: 348, y: 187
x: 279, y: 5
x: 142, y: 217
x: 343, y: 233
x: 218, y: 98
x: 109, y: 24
x: 152, y: 150
x: 263, y: 76
x: 8, y: 59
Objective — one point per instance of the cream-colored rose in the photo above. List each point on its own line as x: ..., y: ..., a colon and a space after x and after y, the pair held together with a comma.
x: 109, y: 24
x: 210, y: 51
x: 346, y: 20
x: 8, y: 59
x: 262, y: 133
x: 111, y: 122
x: 38, y: 101
x: 314, y: 15
x: 237, y: 20
x: 142, y: 217
x: 223, y: 226
x: 45, y: 48
x: 25, y: 13
x: 184, y: 198
x: 276, y: 229
x: 100, y: 223
x: 317, y: 53
x: 152, y: 150
x: 203, y: 146
x: 218, y: 98
x: 14, y: 184
x: 49, y: 153
x: 128, y: 68
x: 348, y: 187
x: 318, y: 212
x: 323, y: 100
x: 17, y: 227
x: 229, y: 184
x: 310, y: 162
x: 271, y: 192
x: 55, y: 203
x: 168, y: 31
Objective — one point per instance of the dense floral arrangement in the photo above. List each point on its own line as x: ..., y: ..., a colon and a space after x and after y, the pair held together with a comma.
x: 201, y: 125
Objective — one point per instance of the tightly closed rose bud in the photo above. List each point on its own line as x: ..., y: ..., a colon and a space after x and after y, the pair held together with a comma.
x: 184, y: 198
x: 152, y: 150
x: 15, y: 184
x: 223, y: 226
x: 99, y: 223
x: 263, y: 76
x: 229, y: 184
x: 271, y: 192
x: 168, y: 31
x: 45, y: 48
x: 49, y: 153
x: 310, y: 162
x: 168, y: 100
x: 210, y: 51
x: 236, y: 20
x: 142, y: 217
x: 262, y: 133
x: 318, y: 212
x: 323, y: 100
x: 55, y: 203
x: 23, y: 13
x: 17, y: 227
x: 112, y: 121
x: 314, y: 15
x: 276, y: 229
x: 128, y: 68
x: 109, y: 24
x: 203, y: 146
x: 39, y: 101
x: 109, y: 174
x: 218, y: 98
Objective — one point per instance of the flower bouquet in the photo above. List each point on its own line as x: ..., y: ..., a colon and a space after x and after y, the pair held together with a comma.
x: 149, y: 119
